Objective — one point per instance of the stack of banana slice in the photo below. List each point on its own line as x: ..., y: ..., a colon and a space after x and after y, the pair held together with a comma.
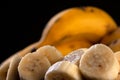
x: 32, y: 66
x: 98, y: 62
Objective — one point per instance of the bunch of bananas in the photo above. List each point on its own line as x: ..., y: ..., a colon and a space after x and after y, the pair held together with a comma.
x: 76, y: 28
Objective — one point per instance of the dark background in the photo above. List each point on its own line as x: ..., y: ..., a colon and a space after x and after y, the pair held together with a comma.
x: 22, y: 22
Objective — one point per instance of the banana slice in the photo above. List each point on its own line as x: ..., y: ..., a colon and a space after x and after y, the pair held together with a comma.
x: 63, y: 70
x: 99, y: 63
x: 12, y: 73
x: 50, y: 52
x: 33, y: 66
x: 117, y: 55
x: 75, y: 56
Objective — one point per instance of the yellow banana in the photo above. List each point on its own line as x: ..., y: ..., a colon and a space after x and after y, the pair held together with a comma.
x: 90, y: 22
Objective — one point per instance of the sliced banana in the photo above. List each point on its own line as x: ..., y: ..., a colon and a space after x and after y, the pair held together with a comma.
x: 12, y: 73
x: 99, y: 63
x: 75, y: 56
x: 50, y: 52
x: 33, y: 66
x: 63, y: 70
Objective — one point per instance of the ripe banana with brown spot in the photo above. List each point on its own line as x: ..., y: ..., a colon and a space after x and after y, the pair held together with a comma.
x: 63, y: 70
x: 99, y: 63
x: 89, y: 22
x: 33, y: 66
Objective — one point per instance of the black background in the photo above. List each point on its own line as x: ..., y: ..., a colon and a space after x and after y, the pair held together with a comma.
x: 22, y: 22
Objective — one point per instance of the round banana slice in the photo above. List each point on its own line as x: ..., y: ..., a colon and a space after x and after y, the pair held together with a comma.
x: 33, y: 66
x: 63, y: 70
x: 75, y: 56
x: 12, y: 73
x: 51, y: 53
x: 99, y: 63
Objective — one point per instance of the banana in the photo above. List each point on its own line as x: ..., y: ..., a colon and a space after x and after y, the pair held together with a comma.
x: 115, y: 45
x: 63, y: 70
x: 12, y: 73
x: 33, y: 66
x: 52, y: 54
x: 99, y: 63
x: 75, y: 56
x: 108, y: 39
x: 89, y: 22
